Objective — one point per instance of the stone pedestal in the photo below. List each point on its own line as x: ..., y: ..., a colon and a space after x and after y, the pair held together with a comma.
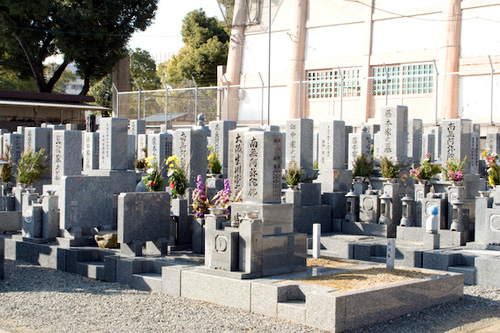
x: 198, y: 238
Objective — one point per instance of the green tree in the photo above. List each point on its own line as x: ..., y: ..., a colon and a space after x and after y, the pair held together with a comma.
x: 205, y: 47
x: 143, y: 71
x: 102, y: 91
x: 92, y: 33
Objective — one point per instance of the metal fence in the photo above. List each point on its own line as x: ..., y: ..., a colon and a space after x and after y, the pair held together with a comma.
x: 345, y: 97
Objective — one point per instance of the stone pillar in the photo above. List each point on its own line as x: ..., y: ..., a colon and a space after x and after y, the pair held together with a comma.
x: 66, y: 155
x: 235, y: 59
x: 298, y: 42
x: 449, y: 58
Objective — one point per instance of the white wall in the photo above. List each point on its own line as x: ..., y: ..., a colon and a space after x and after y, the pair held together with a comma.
x: 475, y: 98
x: 255, y: 53
x: 251, y: 102
x: 479, y: 35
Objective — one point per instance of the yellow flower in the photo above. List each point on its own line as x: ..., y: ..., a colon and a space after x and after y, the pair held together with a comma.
x: 485, y: 153
x: 210, y: 156
x: 491, y: 180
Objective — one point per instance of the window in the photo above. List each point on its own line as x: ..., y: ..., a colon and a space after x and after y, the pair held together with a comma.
x: 403, y: 79
x: 329, y: 83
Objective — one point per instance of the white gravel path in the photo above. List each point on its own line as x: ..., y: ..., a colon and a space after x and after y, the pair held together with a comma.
x: 44, y: 300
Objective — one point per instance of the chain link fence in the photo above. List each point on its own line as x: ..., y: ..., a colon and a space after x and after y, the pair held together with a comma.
x: 336, y: 94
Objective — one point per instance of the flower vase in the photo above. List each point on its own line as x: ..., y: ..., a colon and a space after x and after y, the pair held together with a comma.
x: 424, y: 181
x: 456, y: 183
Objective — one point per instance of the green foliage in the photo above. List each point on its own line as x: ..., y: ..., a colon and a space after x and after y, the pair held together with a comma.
x: 388, y: 169
x: 177, y: 176
x: 154, y: 179
x: 31, y: 166
x: 427, y: 170
x: 143, y: 70
x: 13, y: 80
x: 315, y: 165
x: 93, y: 34
x: 293, y: 174
x: 214, y: 165
x: 7, y: 168
x: 102, y: 91
x: 362, y: 166
x: 205, y: 47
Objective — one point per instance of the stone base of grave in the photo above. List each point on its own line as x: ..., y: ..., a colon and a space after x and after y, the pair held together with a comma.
x: 10, y: 221
x: 337, y: 201
x: 335, y: 180
x: 369, y: 229
x: 76, y: 241
x: 447, y: 238
x: 277, y: 217
x: 284, y: 298
x: 33, y: 240
x: 121, y: 180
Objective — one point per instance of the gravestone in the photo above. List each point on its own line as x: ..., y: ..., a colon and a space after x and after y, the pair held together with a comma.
x: 131, y: 151
x: 142, y: 143
x: 299, y: 143
x: 85, y: 202
x: 493, y: 143
x: 56, y: 126
x: 160, y: 145
x: 359, y: 144
x: 66, y: 154
x: 36, y: 138
x: 437, y: 132
x: 428, y: 146
x: 415, y: 131
x: 219, y: 140
x: 474, y: 153
x: 137, y: 126
x: 113, y: 144
x: 190, y: 147
x: 372, y: 129
x: 90, y: 151
x: 456, y: 141
x: 16, y: 141
x: 394, y: 129
x: 236, y: 154
x: 143, y: 218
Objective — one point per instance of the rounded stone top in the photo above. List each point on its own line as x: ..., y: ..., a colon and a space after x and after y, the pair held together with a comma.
x: 201, y: 119
x: 364, y: 129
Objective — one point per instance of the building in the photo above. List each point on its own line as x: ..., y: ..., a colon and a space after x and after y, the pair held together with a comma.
x: 19, y: 108
x: 438, y: 57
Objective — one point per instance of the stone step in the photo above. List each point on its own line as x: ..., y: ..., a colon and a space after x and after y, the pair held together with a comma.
x: 91, y: 269
x: 469, y: 273
x: 294, y: 311
x: 147, y: 282
x: 378, y: 259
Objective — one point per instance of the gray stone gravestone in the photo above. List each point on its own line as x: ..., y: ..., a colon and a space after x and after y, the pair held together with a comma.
x: 359, y: 144
x: 113, y: 144
x: 90, y: 151
x: 66, y: 154
x: 493, y: 143
x: 142, y: 142
x: 219, y: 140
x: 456, y: 141
x: 394, y: 129
x: 474, y: 153
x: 299, y: 142
x: 16, y: 141
x: 190, y: 147
x: 437, y: 132
x: 160, y: 145
x: 36, y: 138
x: 143, y: 218
x: 414, y: 136
x: 428, y: 145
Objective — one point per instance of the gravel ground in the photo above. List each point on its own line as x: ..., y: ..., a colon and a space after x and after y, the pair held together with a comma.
x: 44, y: 300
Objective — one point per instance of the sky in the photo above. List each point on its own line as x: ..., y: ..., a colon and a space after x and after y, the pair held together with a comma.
x: 163, y: 37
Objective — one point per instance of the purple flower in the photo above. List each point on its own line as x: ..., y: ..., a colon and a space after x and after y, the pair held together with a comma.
x: 203, y: 197
x: 199, y: 183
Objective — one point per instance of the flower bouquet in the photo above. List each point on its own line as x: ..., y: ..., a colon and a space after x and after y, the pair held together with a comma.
x: 214, y: 165
x: 454, y: 170
x: 426, y: 170
x: 176, y: 176
x: 221, y: 199
x: 493, y: 169
x: 153, y: 180
x: 200, y: 202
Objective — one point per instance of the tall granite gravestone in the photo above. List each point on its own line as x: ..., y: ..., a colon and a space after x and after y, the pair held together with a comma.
x: 415, y: 131
x: 263, y: 245
x: 334, y: 178
x: 359, y: 144
x: 219, y: 140
x: 307, y: 208
x: 142, y: 143
x: 190, y: 147
x: 131, y: 151
x: 143, y: 218
x: 66, y: 154
x: 428, y: 145
x: 236, y: 154
x: 437, y: 132
x: 474, y: 153
x: 372, y: 129
x: 137, y: 126
x: 90, y: 151
x: 493, y: 143
x: 456, y: 141
x: 16, y: 143
x: 160, y: 145
x: 36, y: 138
x: 394, y: 129
x: 113, y: 155
x: 84, y: 203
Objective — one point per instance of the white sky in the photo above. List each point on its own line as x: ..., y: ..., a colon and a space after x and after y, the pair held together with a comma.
x: 164, y: 35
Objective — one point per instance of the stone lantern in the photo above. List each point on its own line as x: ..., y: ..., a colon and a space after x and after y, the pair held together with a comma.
x: 406, y: 211
x: 385, y: 209
x: 351, y: 207
x: 457, y: 216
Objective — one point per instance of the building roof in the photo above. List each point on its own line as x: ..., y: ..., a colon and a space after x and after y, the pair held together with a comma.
x: 160, y: 117
x: 48, y: 100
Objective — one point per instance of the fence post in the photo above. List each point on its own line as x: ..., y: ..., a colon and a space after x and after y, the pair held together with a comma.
x: 144, y: 105
x: 139, y: 101
x: 166, y: 107
x: 492, y: 81
x: 300, y: 94
x: 436, y: 94
x: 261, y: 102
x: 386, y: 85
x: 195, y: 100
x: 227, y: 96
x: 341, y: 91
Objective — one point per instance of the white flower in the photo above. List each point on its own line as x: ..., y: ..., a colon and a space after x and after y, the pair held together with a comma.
x: 150, y: 170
